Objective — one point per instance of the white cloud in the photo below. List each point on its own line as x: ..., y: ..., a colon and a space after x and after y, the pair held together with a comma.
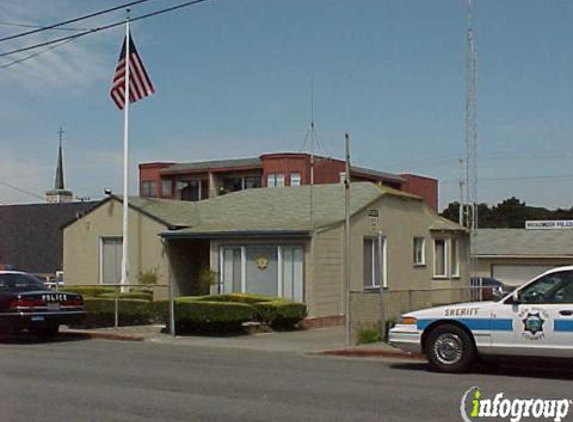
x: 75, y: 66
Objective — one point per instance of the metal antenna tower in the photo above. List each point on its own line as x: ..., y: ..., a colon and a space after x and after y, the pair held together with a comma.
x: 471, y: 137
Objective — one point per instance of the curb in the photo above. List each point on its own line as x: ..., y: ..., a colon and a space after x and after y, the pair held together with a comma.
x: 396, y: 354
x: 100, y: 336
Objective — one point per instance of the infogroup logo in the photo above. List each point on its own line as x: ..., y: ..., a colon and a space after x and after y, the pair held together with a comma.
x: 474, y: 407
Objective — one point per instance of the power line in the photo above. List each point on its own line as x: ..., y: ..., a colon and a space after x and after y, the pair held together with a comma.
x: 24, y: 25
x: 16, y: 188
x: 78, y: 19
x: 36, y: 54
x: 102, y: 28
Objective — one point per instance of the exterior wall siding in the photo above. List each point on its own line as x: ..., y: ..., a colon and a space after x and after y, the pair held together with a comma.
x: 82, y: 246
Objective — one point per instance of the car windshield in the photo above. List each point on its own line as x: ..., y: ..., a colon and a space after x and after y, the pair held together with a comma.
x: 20, y: 281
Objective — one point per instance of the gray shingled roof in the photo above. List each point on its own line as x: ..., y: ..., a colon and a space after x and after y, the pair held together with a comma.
x: 31, y: 237
x: 525, y: 243
x: 217, y: 164
x: 264, y: 209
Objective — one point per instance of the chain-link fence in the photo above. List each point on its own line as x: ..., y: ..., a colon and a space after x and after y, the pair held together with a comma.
x: 375, y: 310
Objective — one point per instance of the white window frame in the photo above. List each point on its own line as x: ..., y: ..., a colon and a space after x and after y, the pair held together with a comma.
x: 446, y: 256
x: 101, y: 241
x: 148, y: 189
x: 375, y: 283
x: 455, y: 266
x: 295, y: 178
x: 280, y: 248
x: 275, y: 180
x: 422, y: 261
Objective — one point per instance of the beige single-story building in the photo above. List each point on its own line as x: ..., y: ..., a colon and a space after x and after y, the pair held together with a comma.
x: 514, y: 256
x: 286, y: 242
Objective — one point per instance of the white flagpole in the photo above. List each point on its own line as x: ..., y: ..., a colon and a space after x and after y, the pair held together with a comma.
x: 124, y: 258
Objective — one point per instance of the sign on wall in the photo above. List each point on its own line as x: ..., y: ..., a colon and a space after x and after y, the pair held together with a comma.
x: 549, y: 224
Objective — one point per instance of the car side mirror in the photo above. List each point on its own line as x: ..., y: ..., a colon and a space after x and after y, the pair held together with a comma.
x: 498, y: 292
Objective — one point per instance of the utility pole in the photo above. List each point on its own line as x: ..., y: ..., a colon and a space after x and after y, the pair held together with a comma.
x: 462, y: 203
x: 347, y: 240
x: 471, y: 137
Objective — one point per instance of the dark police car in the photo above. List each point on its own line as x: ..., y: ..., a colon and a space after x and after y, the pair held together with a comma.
x: 27, y: 304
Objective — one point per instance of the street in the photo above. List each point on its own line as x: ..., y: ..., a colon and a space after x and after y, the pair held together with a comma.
x: 99, y: 380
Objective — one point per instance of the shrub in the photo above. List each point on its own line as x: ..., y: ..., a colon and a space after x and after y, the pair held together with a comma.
x: 89, y: 291
x: 280, y: 314
x: 368, y: 334
x: 247, y: 298
x: 101, y: 312
x: 196, y: 314
x: 143, y: 295
x: 148, y: 278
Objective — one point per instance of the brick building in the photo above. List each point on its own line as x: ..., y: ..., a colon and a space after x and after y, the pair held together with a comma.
x: 207, y: 179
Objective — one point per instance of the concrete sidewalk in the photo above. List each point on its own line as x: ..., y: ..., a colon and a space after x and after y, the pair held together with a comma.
x: 329, y: 341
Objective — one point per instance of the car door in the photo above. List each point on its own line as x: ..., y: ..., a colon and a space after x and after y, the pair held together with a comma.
x: 541, y: 318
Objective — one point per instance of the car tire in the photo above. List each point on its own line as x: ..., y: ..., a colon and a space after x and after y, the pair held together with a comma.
x: 450, y: 349
x: 48, y: 332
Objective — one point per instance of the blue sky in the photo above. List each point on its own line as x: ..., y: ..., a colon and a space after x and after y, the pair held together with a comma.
x: 233, y: 79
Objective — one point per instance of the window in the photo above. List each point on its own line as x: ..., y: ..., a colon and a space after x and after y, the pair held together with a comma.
x: 252, y: 182
x: 374, y: 263
x: 148, y: 188
x: 455, y: 259
x: 553, y: 288
x: 10, y: 281
x: 419, y: 251
x: 194, y: 190
x: 274, y: 270
x: 295, y: 179
x: 275, y: 180
x: 440, y: 258
x: 233, y: 184
x: 166, y: 187
x: 111, y: 253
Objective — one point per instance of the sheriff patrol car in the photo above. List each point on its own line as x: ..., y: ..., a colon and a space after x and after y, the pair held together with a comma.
x: 534, y: 320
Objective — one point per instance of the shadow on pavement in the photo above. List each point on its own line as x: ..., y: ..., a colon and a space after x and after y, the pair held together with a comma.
x: 525, y: 369
x: 26, y: 338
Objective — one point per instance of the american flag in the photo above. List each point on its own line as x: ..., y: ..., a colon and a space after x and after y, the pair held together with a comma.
x: 140, y: 85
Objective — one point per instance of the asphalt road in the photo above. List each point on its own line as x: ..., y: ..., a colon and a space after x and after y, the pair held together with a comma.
x: 104, y: 381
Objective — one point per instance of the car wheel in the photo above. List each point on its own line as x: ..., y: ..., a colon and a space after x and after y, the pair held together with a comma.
x: 47, y: 332
x: 450, y: 349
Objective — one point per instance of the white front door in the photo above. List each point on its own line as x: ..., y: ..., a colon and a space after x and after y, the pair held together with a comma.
x: 541, y: 322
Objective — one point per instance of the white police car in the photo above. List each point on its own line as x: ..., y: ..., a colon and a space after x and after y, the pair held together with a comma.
x: 534, y: 320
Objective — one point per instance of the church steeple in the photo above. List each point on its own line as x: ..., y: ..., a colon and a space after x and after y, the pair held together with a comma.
x: 59, y: 194
x: 59, y: 185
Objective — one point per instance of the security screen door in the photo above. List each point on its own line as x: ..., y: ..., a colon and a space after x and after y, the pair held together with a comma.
x: 110, y: 260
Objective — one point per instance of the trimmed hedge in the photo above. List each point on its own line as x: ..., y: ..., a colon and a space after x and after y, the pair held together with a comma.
x: 281, y: 313
x: 196, y: 314
x: 277, y: 313
x: 129, y: 295
x: 101, y: 312
x: 248, y: 298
